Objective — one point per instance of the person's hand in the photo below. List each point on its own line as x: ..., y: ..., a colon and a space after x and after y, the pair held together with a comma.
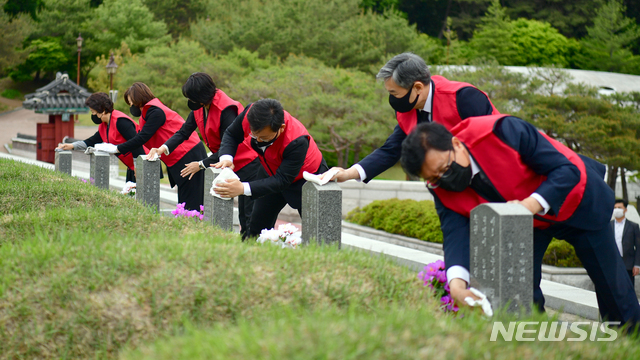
x: 530, y: 203
x: 342, y: 175
x: 223, y: 164
x: 190, y: 169
x: 636, y: 271
x: 64, y: 147
x: 230, y: 189
x: 459, y: 291
x: 156, y: 151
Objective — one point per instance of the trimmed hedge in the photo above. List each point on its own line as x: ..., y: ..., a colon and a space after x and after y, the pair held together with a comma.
x: 418, y: 219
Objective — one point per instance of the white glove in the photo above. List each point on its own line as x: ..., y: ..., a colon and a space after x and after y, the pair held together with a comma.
x: 483, y: 302
x: 106, y: 147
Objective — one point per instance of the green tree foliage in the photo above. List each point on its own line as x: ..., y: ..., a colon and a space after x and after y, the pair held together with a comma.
x: 46, y: 55
x: 164, y: 69
x: 607, y: 46
x: 130, y: 21
x: 520, y: 42
x: 13, y: 31
x: 339, y: 33
x: 346, y: 111
x: 27, y: 7
x: 177, y: 14
x: 379, y: 6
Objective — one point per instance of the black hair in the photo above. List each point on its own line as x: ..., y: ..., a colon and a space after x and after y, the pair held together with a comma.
x: 199, y: 88
x: 266, y: 112
x: 623, y: 201
x: 423, y: 138
x: 100, y: 102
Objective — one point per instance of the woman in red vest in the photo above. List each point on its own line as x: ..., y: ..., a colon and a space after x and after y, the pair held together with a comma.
x: 158, y: 123
x: 212, y: 113
x: 284, y: 148
x: 115, y: 127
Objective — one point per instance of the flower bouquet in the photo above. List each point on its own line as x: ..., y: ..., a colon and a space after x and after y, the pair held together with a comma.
x: 287, y: 236
x: 129, y: 189
x: 180, y: 211
x: 435, y: 277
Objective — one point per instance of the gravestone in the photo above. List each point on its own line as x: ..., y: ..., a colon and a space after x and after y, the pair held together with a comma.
x: 501, y: 255
x: 63, y: 161
x: 322, y: 213
x: 218, y: 211
x: 99, y: 169
x: 148, y: 182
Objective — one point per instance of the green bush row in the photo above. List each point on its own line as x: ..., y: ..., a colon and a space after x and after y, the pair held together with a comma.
x: 418, y: 219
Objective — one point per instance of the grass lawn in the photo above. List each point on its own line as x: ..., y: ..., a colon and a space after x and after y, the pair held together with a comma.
x: 86, y: 273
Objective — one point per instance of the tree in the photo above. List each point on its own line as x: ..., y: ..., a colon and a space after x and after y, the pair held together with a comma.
x: 13, y: 31
x: 27, y: 7
x: 177, y: 14
x: 46, y: 55
x: 129, y: 21
x: 607, y: 46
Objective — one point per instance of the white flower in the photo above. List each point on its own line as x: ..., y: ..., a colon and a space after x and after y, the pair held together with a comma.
x: 129, y: 187
x: 287, y: 228
x: 271, y: 235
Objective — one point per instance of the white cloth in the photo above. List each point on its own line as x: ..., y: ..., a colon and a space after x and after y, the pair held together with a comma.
x: 483, y: 302
x: 222, y: 177
x: 618, y: 230
x: 316, y: 179
x: 106, y: 147
x: 225, y: 157
x: 90, y: 150
x: 155, y: 157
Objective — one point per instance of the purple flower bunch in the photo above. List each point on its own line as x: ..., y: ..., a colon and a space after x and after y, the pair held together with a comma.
x: 91, y: 180
x: 435, y: 277
x: 180, y: 211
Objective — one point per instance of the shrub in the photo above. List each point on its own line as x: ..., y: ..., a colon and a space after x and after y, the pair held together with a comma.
x: 418, y: 219
x: 11, y: 94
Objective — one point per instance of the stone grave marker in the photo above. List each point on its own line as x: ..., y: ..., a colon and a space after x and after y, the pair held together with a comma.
x: 322, y: 213
x: 501, y: 255
x: 148, y: 182
x: 99, y: 169
x: 218, y: 211
x: 63, y: 161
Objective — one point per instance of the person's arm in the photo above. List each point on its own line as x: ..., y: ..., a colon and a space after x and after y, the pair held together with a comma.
x: 543, y: 158
x: 382, y: 158
x: 293, y: 158
x: 128, y: 131
x: 92, y: 141
x: 155, y: 118
x: 472, y: 102
x: 233, y: 136
x: 227, y: 118
x: 189, y: 126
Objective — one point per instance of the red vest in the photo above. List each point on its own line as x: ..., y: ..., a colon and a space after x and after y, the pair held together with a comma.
x: 211, y: 134
x: 273, y: 154
x: 513, y: 179
x: 444, y: 109
x: 171, y: 126
x: 114, y: 136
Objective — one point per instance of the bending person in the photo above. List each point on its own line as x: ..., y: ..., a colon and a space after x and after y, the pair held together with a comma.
x: 115, y: 127
x: 212, y: 113
x: 501, y: 158
x: 284, y: 148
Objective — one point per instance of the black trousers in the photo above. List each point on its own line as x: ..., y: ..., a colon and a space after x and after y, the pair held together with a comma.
x: 267, y: 208
x: 190, y: 192
x: 633, y: 280
x: 250, y: 172
x: 599, y: 254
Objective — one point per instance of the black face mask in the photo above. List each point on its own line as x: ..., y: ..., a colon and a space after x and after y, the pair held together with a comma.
x: 194, y: 105
x: 135, y: 111
x: 458, y: 180
x: 402, y: 104
x: 264, y: 143
x: 96, y: 120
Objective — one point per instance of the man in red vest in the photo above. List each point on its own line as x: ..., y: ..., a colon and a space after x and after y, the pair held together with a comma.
x: 500, y: 158
x: 417, y: 97
x: 285, y: 150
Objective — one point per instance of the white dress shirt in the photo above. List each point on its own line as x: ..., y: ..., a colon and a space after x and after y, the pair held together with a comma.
x: 618, y: 229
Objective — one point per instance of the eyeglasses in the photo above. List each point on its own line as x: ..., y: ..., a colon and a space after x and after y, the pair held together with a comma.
x: 445, y: 173
x: 260, y: 139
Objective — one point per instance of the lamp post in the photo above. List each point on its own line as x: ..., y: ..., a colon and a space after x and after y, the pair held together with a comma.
x: 112, y: 67
x: 79, y: 42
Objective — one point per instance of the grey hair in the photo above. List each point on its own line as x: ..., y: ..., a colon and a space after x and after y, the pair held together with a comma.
x: 405, y: 69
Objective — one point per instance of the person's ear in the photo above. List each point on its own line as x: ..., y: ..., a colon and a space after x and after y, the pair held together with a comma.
x: 282, y: 127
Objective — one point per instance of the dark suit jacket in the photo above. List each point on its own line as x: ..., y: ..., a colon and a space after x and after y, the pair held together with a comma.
x: 469, y: 101
x: 543, y: 158
x: 630, y: 244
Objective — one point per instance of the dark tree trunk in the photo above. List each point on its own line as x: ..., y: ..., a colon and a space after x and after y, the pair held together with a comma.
x: 444, y: 23
x: 611, y: 177
x: 625, y: 195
